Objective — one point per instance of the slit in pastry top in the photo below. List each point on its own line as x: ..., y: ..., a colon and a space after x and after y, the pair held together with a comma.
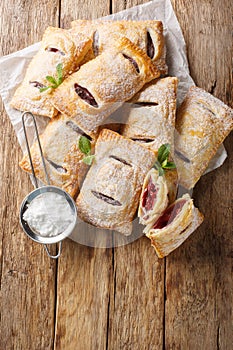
x: 120, y: 160
x: 85, y: 95
x: 150, y: 49
x: 106, y: 198
x: 144, y: 104
x: 58, y: 167
x: 37, y: 84
x: 182, y: 156
x: 142, y: 140
x: 75, y: 127
x: 132, y: 61
x: 95, y: 45
x: 202, y: 105
x: 54, y: 50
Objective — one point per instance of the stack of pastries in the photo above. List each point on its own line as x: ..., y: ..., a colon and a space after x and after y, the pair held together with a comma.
x: 102, y: 65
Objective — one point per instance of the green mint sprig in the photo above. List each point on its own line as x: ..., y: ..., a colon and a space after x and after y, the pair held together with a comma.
x: 55, y: 82
x: 162, y: 162
x: 85, y: 147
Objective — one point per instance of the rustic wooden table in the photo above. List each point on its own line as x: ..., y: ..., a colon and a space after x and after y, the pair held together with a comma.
x: 123, y: 298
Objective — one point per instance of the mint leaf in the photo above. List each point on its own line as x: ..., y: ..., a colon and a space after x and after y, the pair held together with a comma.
x: 163, y: 152
x: 51, y: 80
x: 164, y: 163
x: 158, y: 167
x: 44, y: 88
x: 170, y: 165
x: 59, y: 70
x: 84, y: 145
x: 55, y: 83
x: 59, y: 74
x: 162, y: 160
x: 88, y: 159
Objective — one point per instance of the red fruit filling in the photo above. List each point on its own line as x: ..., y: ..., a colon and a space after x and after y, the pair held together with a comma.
x: 85, y: 95
x: 54, y: 49
x: 150, y: 46
x: 149, y: 195
x: 134, y: 63
x: 169, y: 215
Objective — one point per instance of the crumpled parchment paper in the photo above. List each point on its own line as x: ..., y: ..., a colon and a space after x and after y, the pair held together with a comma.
x: 13, y: 67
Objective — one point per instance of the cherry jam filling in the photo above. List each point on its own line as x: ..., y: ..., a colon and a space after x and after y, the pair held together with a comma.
x: 58, y: 167
x: 120, y: 160
x: 85, y: 95
x: 150, y: 46
x: 134, y: 63
x: 105, y: 198
x: 36, y: 84
x: 54, y: 49
x: 149, y: 195
x: 169, y: 215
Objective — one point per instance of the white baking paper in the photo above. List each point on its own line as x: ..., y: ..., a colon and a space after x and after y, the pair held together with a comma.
x: 13, y: 67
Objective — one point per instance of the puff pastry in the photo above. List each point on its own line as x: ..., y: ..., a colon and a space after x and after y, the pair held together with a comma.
x: 63, y: 158
x: 57, y: 46
x: 151, y: 117
x: 171, y: 178
x: 154, y: 197
x: 202, y: 124
x: 110, y: 193
x: 148, y: 35
x: 101, y: 86
x: 157, y: 193
x: 174, y: 226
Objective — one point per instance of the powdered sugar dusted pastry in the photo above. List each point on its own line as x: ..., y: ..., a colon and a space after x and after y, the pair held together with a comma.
x: 57, y: 46
x: 63, y: 158
x: 154, y: 197
x: 148, y: 35
x: 174, y: 226
x: 102, y: 85
x: 202, y: 124
x: 110, y: 193
x: 151, y: 117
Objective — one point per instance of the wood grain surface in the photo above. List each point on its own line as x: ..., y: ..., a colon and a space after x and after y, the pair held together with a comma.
x: 122, y: 298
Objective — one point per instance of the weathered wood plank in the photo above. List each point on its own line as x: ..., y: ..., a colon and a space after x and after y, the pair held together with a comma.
x: 120, y: 5
x: 137, y: 299
x: 84, y: 274
x: 27, y: 274
x: 84, y: 285
x: 89, y: 9
x: 199, y: 274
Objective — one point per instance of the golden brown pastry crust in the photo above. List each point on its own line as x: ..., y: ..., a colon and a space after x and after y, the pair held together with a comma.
x: 111, y: 190
x: 110, y: 79
x: 170, y: 237
x: 148, y: 35
x: 63, y: 158
x: 71, y: 49
x: 202, y: 124
x: 152, y: 114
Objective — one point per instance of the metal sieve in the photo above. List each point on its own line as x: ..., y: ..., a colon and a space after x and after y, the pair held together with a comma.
x: 35, y: 236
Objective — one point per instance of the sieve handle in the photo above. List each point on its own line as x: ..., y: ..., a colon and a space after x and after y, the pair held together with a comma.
x: 53, y: 256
